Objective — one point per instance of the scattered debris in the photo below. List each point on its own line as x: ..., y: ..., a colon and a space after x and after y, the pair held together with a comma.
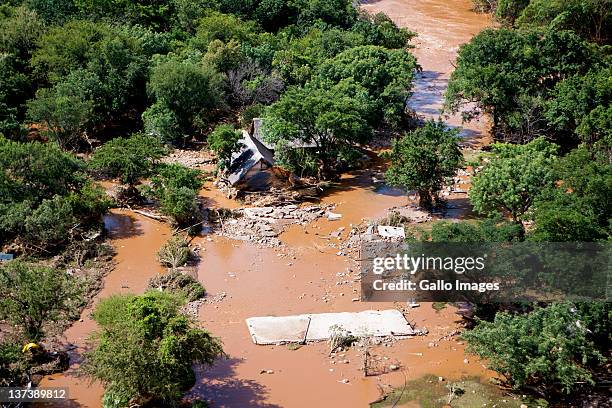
x: 263, y: 225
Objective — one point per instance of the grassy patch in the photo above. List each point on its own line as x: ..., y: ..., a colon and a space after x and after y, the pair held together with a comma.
x: 429, y: 392
x: 439, y: 306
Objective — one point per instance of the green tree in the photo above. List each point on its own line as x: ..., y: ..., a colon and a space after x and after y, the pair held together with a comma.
x: 513, y: 178
x: 576, y: 208
x: 176, y: 188
x: 298, y: 57
x: 32, y: 296
x: 589, y: 18
x: 580, y: 108
x: 66, y: 109
x: 224, y: 142
x: 44, y: 193
x: 185, y: 95
x: 387, y: 75
x: 509, y: 74
x: 379, y: 29
x: 130, y: 159
x: 549, y: 348
x: 103, y: 65
x: 423, y: 159
x: 507, y: 11
x: 151, y: 13
x: 327, y: 121
x: 145, y: 349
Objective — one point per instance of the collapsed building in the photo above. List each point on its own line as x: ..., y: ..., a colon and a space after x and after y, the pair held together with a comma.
x: 252, y: 167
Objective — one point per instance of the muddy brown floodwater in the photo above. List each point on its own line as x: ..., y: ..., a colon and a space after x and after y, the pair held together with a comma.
x: 303, y: 276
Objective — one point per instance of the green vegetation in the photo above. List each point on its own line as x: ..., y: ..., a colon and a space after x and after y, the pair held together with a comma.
x: 32, y: 296
x: 423, y: 159
x: 46, y: 198
x: 224, y: 142
x: 513, y: 178
x: 145, y: 350
x: 129, y: 159
x: 549, y: 348
x: 520, y: 77
x: 176, y: 188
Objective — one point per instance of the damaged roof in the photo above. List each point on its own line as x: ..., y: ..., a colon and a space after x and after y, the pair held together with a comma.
x: 252, y: 152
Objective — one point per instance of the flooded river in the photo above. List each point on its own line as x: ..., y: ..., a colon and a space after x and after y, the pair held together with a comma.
x: 303, y: 275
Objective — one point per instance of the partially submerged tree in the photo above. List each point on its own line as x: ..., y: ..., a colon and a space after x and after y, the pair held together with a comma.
x: 423, y: 159
x: 176, y: 188
x: 514, y: 177
x: 32, y: 296
x: 509, y: 74
x: 174, y: 253
x: 145, y: 349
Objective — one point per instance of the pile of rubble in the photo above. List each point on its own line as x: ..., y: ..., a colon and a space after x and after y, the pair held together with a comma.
x: 263, y: 225
x: 189, y: 158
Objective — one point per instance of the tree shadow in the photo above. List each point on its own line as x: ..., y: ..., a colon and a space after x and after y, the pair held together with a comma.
x: 121, y: 226
x: 220, y: 385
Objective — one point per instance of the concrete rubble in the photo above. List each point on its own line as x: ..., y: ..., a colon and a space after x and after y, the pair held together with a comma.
x: 263, y: 225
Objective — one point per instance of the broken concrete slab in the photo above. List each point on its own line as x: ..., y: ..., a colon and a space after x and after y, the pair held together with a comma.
x: 278, y: 330
x: 333, y: 216
x: 391, y: 232
x: 316, y: 327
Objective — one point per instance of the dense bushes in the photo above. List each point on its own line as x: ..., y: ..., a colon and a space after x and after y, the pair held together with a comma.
x: 176, y: 188
x: 46, y: 198
x: 550, y: 348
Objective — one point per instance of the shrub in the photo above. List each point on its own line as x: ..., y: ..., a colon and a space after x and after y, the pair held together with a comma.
x: 130, y: 159
x: 174, y: 253
x: 179, y: 284
x: 550, y: 348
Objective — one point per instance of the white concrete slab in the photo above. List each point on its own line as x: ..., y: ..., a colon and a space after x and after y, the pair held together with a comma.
x: 277, y: 330
x: 391, y: 232
x: 314, y: 327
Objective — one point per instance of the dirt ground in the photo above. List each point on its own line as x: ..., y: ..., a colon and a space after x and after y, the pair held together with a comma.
x: 308, y: 273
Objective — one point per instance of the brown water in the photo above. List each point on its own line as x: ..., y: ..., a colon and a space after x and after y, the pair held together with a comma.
x: 302, y: 276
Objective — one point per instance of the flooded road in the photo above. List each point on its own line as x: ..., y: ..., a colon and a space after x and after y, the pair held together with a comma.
x: 306, y: 274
